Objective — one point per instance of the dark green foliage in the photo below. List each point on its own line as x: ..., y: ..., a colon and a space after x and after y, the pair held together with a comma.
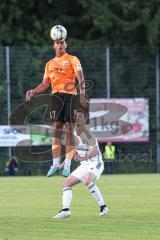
x: 111, y: 22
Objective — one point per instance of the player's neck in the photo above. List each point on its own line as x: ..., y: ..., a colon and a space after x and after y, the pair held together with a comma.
x: 60, y: 54
x: 79, y: 130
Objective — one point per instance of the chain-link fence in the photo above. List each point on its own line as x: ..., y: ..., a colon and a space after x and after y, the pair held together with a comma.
x: 130, y: 73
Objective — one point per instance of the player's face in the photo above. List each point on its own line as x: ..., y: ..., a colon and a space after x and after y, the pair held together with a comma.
x: 80, y: 119
x: 60, y: 46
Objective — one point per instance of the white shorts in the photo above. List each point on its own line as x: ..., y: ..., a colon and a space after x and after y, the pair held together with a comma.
x: 95, y: 167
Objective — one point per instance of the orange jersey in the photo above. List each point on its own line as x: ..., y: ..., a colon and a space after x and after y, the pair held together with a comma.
x: 60, y: 73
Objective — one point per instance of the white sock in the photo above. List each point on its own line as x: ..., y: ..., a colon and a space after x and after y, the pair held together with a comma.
x: 56, y: 161
x: 67, y: 197
x: 94, y: 190
x: 67, y: 163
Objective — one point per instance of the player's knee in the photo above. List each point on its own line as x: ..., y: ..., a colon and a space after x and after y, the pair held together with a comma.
x: 89, y: 178
x: 86, y: 182
x: 66, y: 184
x: 58, y: 125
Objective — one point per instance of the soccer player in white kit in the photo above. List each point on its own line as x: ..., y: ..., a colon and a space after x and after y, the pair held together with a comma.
x: 90, y: 169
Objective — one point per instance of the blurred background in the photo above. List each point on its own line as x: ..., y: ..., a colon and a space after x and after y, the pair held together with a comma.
x: 117, y: 43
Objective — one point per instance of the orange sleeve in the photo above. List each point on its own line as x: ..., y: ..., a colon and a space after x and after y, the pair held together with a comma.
x: 76, y: 64
x: 46, y: 78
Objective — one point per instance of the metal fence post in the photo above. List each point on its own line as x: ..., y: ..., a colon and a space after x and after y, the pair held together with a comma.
x: 8, y: 90
x: 157, y: 108
x: 108, y: 72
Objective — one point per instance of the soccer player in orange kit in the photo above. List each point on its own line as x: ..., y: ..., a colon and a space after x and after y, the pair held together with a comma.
x: 61, y: 72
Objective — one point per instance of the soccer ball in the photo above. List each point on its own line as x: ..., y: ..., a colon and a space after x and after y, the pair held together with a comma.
x: 58, y: 32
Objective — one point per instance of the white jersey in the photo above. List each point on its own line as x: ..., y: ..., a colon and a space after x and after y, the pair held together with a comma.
x: 84, y: 142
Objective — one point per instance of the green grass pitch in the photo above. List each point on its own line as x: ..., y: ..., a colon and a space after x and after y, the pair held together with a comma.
x: 28, y: 203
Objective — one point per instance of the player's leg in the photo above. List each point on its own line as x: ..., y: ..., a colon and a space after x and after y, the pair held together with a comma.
x: 56, y: 147
x: 70, y: 148
x: 89, y: 181
x: 67, y: 196
x: 57, y: 120
x: 76, y: 177
x: 70, y: 107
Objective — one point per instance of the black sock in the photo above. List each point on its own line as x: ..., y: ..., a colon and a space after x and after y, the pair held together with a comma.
x: 102, y: 207
x: 65, y: 209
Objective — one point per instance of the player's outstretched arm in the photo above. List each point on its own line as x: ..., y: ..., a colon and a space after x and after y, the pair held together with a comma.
x: 39, y: 89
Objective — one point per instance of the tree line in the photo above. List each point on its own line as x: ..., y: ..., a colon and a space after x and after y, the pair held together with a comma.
x: 91, y: 22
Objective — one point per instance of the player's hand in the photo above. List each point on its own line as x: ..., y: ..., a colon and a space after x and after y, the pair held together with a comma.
x: 30, y: 94
x: 83, y: 100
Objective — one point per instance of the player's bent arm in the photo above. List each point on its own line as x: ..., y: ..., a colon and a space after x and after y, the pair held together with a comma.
x: 39, y: 89
x: 7, y: 163
x: 94, y: 151
x: 90, y: 154
x: 80, y: 78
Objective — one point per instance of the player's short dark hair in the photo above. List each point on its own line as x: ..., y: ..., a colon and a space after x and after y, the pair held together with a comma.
x: 82, y: 111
